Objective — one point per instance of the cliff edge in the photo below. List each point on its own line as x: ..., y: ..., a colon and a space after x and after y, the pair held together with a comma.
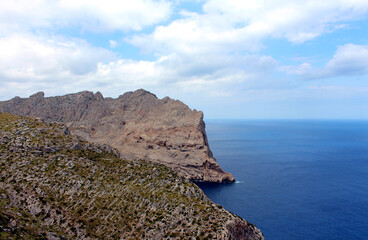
x: 138, y: 124
x: 57, y: 186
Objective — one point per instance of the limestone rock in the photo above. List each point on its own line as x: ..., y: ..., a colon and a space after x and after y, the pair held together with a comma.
x: 138, y: 124
x: 82, y: 190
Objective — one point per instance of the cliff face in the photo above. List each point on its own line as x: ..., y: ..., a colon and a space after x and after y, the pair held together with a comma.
x: 138, y: 124
x: 56, y: 186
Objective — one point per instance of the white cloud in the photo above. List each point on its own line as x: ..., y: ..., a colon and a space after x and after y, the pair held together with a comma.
x: 178, y: 75
x: 113, y: 44
x: 349, y: 60
x: 91, y: 15
x: 211, y: 55
x: 29, y: 57
x: 238, y: 25
x: 57, y: 65
x: 301, y: 69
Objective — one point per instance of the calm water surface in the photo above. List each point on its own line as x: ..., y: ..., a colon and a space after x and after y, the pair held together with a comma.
x: 295, y: 179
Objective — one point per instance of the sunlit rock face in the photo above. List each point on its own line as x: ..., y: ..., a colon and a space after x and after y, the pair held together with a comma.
x: 138, y: 124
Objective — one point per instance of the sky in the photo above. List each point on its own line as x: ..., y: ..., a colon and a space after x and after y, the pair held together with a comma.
x: 239, y: 59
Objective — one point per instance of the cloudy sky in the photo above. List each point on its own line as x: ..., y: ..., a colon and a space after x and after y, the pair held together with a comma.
x: 231, y: 59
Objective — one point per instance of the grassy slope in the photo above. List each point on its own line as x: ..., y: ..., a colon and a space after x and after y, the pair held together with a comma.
x: 53, y: 184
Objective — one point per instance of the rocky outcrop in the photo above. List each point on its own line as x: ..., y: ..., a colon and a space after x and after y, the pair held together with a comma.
x: 56, y: 186
x: 138, y: 124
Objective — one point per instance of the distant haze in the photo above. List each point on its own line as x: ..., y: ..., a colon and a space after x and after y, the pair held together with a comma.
x: 231, y: 59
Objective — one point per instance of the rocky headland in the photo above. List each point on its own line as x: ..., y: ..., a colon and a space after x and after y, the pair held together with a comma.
x: 138, y: 124
x: 54, y: 185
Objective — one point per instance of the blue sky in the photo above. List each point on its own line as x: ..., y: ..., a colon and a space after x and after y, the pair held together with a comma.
x: 248, y: 59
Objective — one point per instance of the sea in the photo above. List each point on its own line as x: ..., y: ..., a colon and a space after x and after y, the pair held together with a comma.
x: 295, y: 179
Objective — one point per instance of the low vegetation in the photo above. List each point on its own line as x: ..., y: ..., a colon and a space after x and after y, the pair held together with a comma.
x: 56, y: 186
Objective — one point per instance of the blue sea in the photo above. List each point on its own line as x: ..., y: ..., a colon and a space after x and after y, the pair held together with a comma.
x: 296, y: 179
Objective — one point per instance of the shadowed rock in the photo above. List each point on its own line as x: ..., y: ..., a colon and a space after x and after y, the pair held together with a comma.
x: 138, y: 124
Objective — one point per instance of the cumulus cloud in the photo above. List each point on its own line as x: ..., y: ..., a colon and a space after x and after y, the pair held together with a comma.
x: 178, y: 75
x: 349, y: 60
x: 238, y: 25
x: 29, y: 63
x: 35, y: 58
x: 212, y: 53
x: 91, y: 15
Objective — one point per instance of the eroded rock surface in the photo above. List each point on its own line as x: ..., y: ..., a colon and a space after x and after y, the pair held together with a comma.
x: 138, y: 124
x: 57, y: 186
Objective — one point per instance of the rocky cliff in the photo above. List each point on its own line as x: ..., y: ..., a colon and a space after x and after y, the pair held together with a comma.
x: 138, y: 124
x: 54, y: 185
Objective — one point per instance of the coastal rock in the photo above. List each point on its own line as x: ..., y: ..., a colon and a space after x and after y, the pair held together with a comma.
x: 82, y: 190
x: 138, y: 124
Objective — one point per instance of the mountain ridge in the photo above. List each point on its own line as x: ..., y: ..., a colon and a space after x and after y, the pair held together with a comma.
x: 138, y: 124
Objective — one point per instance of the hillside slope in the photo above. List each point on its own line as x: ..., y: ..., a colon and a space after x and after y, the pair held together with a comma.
x: 55, y: 186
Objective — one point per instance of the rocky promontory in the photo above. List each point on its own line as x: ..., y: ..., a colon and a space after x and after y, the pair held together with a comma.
x: 138, y: 124
x: 54, y: 185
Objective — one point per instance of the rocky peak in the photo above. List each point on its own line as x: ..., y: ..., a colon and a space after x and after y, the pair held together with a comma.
x: 99, y: 96
x: 38, y: 96
x: 81, y: 97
